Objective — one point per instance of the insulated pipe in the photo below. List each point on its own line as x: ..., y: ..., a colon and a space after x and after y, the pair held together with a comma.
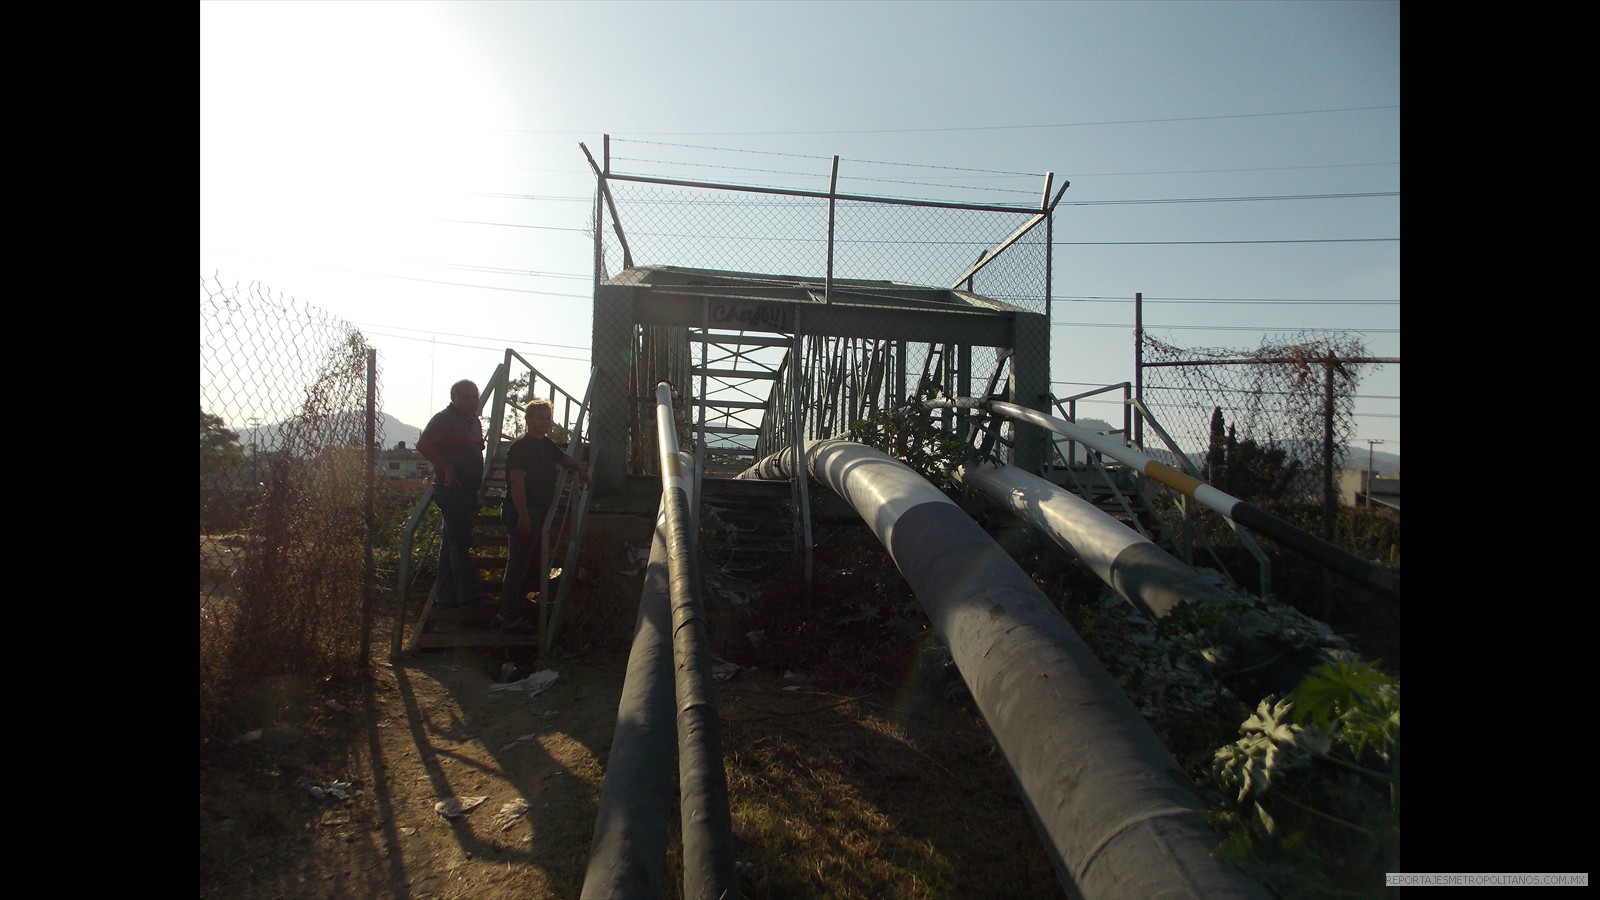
x: 1116, y: 813
x: 627, y: 857
x: 708, y: 864
x: 628, y: 854
x: 1374, y: 578
x: 1141, y: 572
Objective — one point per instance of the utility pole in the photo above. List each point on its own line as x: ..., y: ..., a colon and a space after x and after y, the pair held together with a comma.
x: 255, y: 462
x: 1368, y: 485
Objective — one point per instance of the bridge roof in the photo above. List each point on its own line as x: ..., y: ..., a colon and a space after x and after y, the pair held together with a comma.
x: 800, y: 289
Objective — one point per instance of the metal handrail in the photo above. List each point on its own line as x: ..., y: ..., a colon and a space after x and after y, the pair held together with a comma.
x: 402, y: 576
x: 1068, y: 407
x: 550, y: 614
x: 1263, y: 564
x: 409, y: 530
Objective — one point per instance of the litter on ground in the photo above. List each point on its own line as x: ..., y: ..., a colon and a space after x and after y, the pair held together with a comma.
x: 532, y: 685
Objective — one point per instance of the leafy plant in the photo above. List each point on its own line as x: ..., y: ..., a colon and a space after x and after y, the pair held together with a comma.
x: 910, y: 434
x: 1305, y: 792
x: 1309, y: 794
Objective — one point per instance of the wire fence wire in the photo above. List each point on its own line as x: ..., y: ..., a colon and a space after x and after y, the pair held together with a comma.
x: 707, y: 228
x: 1290, y: 395
x: 284, y: 489
x: 925, y: 244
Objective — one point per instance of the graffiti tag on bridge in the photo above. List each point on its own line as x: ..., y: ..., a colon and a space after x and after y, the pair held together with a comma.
x: 750, y: 316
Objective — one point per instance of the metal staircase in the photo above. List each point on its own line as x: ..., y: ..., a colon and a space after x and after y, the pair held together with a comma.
x: 562, y: 532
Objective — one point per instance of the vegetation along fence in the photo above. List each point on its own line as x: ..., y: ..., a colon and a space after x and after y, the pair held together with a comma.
x: 1272, y: 423
x: 288, y: 435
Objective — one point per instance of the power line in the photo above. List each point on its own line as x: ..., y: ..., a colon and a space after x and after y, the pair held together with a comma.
x: 485, y: 287
x: 983, y: 172
x: 1211, y: 300
x: 1304, y: 112
x: 843, y: 177
x: 518, y: 225
x: 1346, y: 196
x: 476, y: 337
x: 1230, y: 171
x: 994, y: 173
x: 501, y: 270
x: 495, y: 195
x: 1268, y: 241
x: 494, y: 344
x: 1149, y: 327
x: 818, y: 240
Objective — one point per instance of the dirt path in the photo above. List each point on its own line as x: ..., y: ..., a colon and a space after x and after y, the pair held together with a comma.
x: 528, y: 767
x: 820, y: 772
x: 375, y: 766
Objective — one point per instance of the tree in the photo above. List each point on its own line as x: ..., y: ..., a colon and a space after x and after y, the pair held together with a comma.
x: 1244, y: 468
x: 1217, y: 451
x: 220, y: 452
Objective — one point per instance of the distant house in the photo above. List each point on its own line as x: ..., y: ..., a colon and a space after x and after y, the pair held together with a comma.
x: 404, y: 464
x: 1384, y: 490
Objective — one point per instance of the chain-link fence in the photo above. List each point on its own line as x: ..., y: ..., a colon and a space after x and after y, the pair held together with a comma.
x: 786, y: 235
x: 711, y: 228
x: 287, y: 440
x: 1295, y: 396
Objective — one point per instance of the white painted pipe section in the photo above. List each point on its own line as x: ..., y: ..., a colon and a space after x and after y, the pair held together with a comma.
x: 1338, y: 560
x: 1096, y: 539
x: 1208, y: 496
x: 1136, y: 568
x: 1148, y: 577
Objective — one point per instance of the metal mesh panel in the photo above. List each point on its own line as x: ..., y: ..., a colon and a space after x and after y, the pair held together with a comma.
x: 284, y: 475
x: 727, y: 230
x: 1276, y: 395
x: 706, y: 228
x: 663, y: 355
x: 1017, y: 276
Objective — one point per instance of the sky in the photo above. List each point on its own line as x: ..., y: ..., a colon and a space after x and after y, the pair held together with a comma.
x: 415, y: 168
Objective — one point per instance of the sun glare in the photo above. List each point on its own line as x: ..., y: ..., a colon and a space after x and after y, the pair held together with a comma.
x: 339, y: 132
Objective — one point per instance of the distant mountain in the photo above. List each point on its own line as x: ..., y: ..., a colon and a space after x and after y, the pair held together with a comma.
x: 395, y: 430
x: 1382, y: 463
x: 392, y: 431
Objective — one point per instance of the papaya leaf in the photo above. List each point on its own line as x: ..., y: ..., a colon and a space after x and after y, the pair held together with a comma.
x: 1333, y: 689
